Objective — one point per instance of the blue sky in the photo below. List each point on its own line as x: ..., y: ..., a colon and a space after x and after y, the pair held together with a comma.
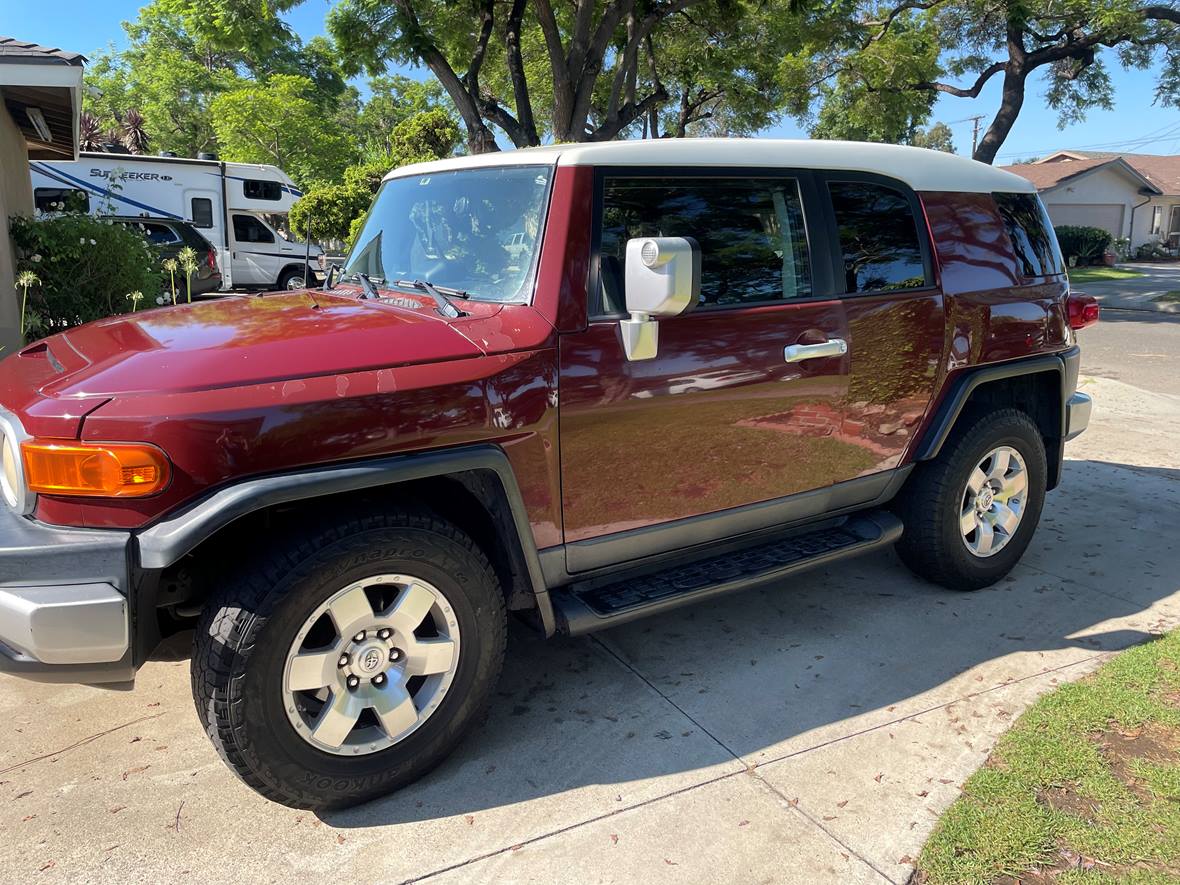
x: 1135, y: 124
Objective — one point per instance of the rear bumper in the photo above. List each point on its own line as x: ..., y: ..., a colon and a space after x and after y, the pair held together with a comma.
x: 1077, y: 414
x: 64, y: 615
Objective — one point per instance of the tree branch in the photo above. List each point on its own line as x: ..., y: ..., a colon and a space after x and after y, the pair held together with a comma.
x: 628, y: 114
x: 520, y: 85
x: 972, y: 92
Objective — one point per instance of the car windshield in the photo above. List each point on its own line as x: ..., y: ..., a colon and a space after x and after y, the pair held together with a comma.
x: 474, y: 230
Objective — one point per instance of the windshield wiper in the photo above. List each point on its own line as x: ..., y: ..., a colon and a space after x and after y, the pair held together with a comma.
x: 368, y: 289
x: 445, y: 306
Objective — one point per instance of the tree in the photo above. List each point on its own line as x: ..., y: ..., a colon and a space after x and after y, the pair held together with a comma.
x: 393, y: 99
x: 937, y: 138
x: 595, y: 69
x: 278, y: 121
x: 866, y: 59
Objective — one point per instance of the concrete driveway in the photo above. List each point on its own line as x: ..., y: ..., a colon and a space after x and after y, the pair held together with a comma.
x: 1139, y: 293
x: 807, y: 733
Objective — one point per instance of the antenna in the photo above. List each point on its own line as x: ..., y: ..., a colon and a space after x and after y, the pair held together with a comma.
x: 307, y: 252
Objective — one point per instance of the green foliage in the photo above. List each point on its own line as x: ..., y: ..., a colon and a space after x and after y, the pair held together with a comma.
x: 278, y: 121
x: 326, y: 212
x: 937, y: 138
x: 1086, y: 243
x: 392, y: 100
x: 85, y: 267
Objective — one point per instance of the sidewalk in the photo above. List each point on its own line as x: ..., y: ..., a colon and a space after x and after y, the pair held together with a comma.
x: 1137, y: 293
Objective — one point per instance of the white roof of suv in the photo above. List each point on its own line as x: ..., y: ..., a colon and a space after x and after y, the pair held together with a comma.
x: 921, y: 169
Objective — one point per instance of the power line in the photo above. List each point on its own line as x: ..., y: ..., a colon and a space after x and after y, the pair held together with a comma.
x: 1164, y: 133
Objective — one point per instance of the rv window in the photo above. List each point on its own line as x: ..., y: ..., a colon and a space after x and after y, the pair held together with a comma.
x: 202, y: 212
x: 257, y: 189
x: 54, y: 199
x: 248, y: 229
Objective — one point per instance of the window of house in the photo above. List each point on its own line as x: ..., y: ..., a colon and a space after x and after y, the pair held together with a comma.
x: 202, y: 212
x: 750, y: 230
x: 257, y: 189
x: 55, y: 199
x: 1031, y: 233
x: 1157, y: 220
x: 878, y: 237
x: 248, y: 229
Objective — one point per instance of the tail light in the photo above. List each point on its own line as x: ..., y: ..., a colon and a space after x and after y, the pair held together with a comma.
x: 211, y: 258
x: 111, y: 470
x: 1083, y: 310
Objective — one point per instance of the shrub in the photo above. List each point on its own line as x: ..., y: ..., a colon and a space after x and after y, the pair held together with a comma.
x: 1086, y: 243
x: 85, y: 268
x: 1153, y: 249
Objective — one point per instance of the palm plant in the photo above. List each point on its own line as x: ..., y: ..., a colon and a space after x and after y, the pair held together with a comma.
x: 135, y: 137
x: 25, y: 281
x: 171, y: 266
x: 187, y: 259
x: 89, y: 132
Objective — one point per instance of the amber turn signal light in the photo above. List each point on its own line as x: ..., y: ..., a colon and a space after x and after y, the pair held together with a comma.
x: 106, y: 470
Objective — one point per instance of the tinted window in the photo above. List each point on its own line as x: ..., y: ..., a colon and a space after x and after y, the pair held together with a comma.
x: 878, y: 237
x: 1031, y: 233
x: 202, y: 212
x: 248, y: 229
x: 160, y: 234
x: 55, y: 199
x: 753, y: 242
x: 256, y: 189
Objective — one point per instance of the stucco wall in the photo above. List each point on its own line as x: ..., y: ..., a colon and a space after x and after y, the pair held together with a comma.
x: 16, y: 198
x: 1107, y: 186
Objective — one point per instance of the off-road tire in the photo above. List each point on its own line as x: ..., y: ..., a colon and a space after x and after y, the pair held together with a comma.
x: 247, y: 627
x: 929, y: 505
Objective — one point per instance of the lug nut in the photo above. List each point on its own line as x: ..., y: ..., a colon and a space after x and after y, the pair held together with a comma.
x: 353, y: 682
x: 360, y: 637
x: 379, y: 679
x: 384, y: 634
x: 395, y: 654
x: 343, y: 662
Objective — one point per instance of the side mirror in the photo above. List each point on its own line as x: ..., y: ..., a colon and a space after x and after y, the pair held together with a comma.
x: 663, y: 279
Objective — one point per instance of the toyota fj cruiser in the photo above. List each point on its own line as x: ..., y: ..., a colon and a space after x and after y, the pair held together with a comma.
x: 586, y: 383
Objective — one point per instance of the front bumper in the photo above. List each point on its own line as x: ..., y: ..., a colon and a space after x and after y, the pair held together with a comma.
x: 1077, y: 414
x: 64, y: 615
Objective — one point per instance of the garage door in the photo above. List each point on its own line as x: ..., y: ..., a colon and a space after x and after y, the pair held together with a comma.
x: 1108, y: 216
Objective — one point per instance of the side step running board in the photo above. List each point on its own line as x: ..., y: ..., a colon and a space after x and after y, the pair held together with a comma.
x: 586, y: 607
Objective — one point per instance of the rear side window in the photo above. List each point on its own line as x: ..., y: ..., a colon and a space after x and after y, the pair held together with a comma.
x: 750, y: 230
x: 1031, y: 233
x: 257, y: 189
x: 160, y: 234
x: 878, y: 237
x: 202, y: 212
x: 55, y: 199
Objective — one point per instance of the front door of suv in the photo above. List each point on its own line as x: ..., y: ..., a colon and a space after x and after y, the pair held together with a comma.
x: 720, y: 418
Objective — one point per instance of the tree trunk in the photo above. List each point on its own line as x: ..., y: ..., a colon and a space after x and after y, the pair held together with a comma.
x: 1012, y: 98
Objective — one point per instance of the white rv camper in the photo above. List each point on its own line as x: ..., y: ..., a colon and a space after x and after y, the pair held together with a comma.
x: 239, y: 207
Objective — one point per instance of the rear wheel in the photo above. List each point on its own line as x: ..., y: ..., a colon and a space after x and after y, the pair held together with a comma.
x: 971, y: 512
x: 350, y: 662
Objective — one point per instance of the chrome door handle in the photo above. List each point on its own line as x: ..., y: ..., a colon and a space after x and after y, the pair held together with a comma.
x: 797, y: 353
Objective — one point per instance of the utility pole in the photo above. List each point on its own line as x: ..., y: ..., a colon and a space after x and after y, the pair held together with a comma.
x: 975, y: 131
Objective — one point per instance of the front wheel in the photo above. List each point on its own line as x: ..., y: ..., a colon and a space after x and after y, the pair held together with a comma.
x: 971, y: 512
x: 293, y: 278
x: 351, y: 661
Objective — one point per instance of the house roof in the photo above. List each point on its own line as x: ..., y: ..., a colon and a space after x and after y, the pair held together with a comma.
x: 923, y: 170
x: 41, y: 89
x: 1159, y: 173
x: 19, y: 52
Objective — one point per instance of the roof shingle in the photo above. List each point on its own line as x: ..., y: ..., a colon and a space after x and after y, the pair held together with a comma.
x: 21, y: 52
x: 1161, y: 170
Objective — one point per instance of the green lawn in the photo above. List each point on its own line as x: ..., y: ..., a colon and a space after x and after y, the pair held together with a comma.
x: 1170, y: 297
x: 1084, y: 789
x: 1098, y: 274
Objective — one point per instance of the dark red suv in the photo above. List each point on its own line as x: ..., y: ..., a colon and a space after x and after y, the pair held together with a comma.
x: 582, y: 383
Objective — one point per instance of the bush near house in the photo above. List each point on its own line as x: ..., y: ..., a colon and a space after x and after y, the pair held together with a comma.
x: 85, y: 268
x: 1087, y: 244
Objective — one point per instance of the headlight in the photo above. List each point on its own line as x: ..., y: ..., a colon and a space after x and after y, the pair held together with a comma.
x: 10, y: 478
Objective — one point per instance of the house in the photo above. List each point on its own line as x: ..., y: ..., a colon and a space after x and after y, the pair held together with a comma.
x: 1131, y: 195
x: 40, y: 103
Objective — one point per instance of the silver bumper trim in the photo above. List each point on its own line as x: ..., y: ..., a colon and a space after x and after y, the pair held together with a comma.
x: 1077, y: 414
x: 68, y: 624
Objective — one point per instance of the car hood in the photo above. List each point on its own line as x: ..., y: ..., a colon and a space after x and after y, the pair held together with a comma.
x: 243, y: 340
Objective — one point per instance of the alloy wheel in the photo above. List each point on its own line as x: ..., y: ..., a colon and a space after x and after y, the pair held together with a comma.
x: 371, y: 664
x: 994, y: 501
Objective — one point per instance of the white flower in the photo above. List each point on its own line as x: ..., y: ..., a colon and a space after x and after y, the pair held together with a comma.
x: 34, y: 258
x: 82, y: 241
x: 94, y: 242
x: 159, y: 299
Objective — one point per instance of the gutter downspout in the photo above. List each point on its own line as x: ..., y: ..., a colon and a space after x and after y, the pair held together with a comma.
x: 1131, y: 229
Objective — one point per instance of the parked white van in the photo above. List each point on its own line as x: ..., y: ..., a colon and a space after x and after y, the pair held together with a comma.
x: 239, y: 207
